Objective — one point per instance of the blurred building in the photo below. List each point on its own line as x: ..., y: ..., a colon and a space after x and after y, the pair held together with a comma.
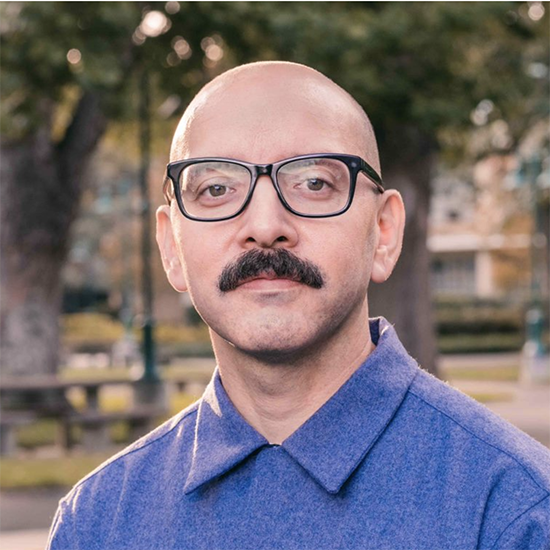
x: 480, y: 233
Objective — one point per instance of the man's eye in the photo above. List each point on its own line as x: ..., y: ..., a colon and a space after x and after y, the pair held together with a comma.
x: 315, y: 184
x: 216, y: 190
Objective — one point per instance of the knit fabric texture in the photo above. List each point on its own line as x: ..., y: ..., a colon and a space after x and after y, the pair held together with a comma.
x: 396, y: 459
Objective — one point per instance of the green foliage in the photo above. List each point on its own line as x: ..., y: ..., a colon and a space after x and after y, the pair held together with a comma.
x: 35, y: 40
x: 420, y: 65
x: 96, y: 329
x: 473, y: 325
x: 479, y: 343
x: 80, y: 328
x: 477, y: 316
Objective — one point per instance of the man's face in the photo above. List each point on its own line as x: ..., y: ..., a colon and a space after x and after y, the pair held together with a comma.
x: 277, y: 318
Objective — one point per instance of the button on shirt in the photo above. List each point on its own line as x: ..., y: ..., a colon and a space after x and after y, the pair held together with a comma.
x: 396, y: 459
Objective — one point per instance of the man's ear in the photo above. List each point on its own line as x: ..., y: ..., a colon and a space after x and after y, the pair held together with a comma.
x: 168, y: 250
x: 391, y: 224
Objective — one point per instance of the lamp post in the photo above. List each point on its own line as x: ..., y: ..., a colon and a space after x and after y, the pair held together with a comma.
x: 536, y: 366
x: 149, y: 387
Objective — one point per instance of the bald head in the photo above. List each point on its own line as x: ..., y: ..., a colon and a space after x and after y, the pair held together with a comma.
x: 257, y: 98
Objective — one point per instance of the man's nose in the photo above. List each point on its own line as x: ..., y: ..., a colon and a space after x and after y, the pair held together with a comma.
x: 266, y: 223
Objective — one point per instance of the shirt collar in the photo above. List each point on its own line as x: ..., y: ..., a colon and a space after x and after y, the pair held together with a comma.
x: 223, y: 438
x: 329, y: 445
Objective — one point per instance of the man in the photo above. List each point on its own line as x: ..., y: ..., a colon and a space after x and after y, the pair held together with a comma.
x: 318, y: 431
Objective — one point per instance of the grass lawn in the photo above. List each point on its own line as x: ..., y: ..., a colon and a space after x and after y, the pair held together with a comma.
x: 493, y: 374
x: 486, y: 397
x: 26, y: 473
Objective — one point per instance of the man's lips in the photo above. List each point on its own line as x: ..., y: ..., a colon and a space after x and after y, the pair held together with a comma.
x: 265, y: 280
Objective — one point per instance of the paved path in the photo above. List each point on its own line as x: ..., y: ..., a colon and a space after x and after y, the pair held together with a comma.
x: 20, y: 510
x: 24, y: 540
x: 31, y: 508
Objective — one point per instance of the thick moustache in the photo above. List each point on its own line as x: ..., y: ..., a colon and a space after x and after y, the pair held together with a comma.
x: 275, y: 264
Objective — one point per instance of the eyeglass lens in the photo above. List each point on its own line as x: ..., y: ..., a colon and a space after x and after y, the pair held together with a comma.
x: 314, y: 186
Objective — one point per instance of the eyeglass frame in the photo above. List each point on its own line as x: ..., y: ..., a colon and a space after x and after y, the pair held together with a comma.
x: 354, y: 163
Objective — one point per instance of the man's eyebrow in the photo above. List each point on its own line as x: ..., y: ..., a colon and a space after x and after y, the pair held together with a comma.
x: 318, y: 161
x: 203, y: 168
x: 213, y: 166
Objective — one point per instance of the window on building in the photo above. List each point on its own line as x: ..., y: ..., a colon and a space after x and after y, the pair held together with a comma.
x: 454, y: 274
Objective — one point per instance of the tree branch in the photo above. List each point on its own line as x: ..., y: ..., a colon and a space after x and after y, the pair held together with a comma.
x: 87, y: 127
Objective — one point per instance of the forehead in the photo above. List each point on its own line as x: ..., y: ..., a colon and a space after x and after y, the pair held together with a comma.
x: 270, y: 119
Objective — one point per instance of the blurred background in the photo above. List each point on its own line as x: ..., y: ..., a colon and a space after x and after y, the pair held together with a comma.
x: 96, y: 347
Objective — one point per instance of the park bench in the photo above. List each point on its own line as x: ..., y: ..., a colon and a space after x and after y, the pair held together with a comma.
x: 25, y: 400
x: 95, y: 425
x: 9, y: 421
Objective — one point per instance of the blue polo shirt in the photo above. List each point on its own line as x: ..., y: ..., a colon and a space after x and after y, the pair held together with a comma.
x: 396, y: 459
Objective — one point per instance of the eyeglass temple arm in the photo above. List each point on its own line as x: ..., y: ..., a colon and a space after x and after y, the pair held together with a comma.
x: 373, y: 176
x: 166, y: 191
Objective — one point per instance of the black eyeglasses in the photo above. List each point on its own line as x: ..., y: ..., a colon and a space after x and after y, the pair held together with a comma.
x: 311, y: 186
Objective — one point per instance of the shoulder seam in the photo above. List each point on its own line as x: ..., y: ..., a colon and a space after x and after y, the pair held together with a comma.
x: 517, y: 518
x: 483, y: 441
x: 116, y: 458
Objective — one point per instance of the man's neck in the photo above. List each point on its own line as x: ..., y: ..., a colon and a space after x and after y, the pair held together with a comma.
x: 276, y: 399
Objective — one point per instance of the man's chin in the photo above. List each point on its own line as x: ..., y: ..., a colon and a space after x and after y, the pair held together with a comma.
x: 277, y: 356
x: 271, y: 350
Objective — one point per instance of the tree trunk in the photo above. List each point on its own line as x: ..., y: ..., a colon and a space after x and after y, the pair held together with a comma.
x: 405, y: 299
x: 39, y: 200
x: 543, y: 218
